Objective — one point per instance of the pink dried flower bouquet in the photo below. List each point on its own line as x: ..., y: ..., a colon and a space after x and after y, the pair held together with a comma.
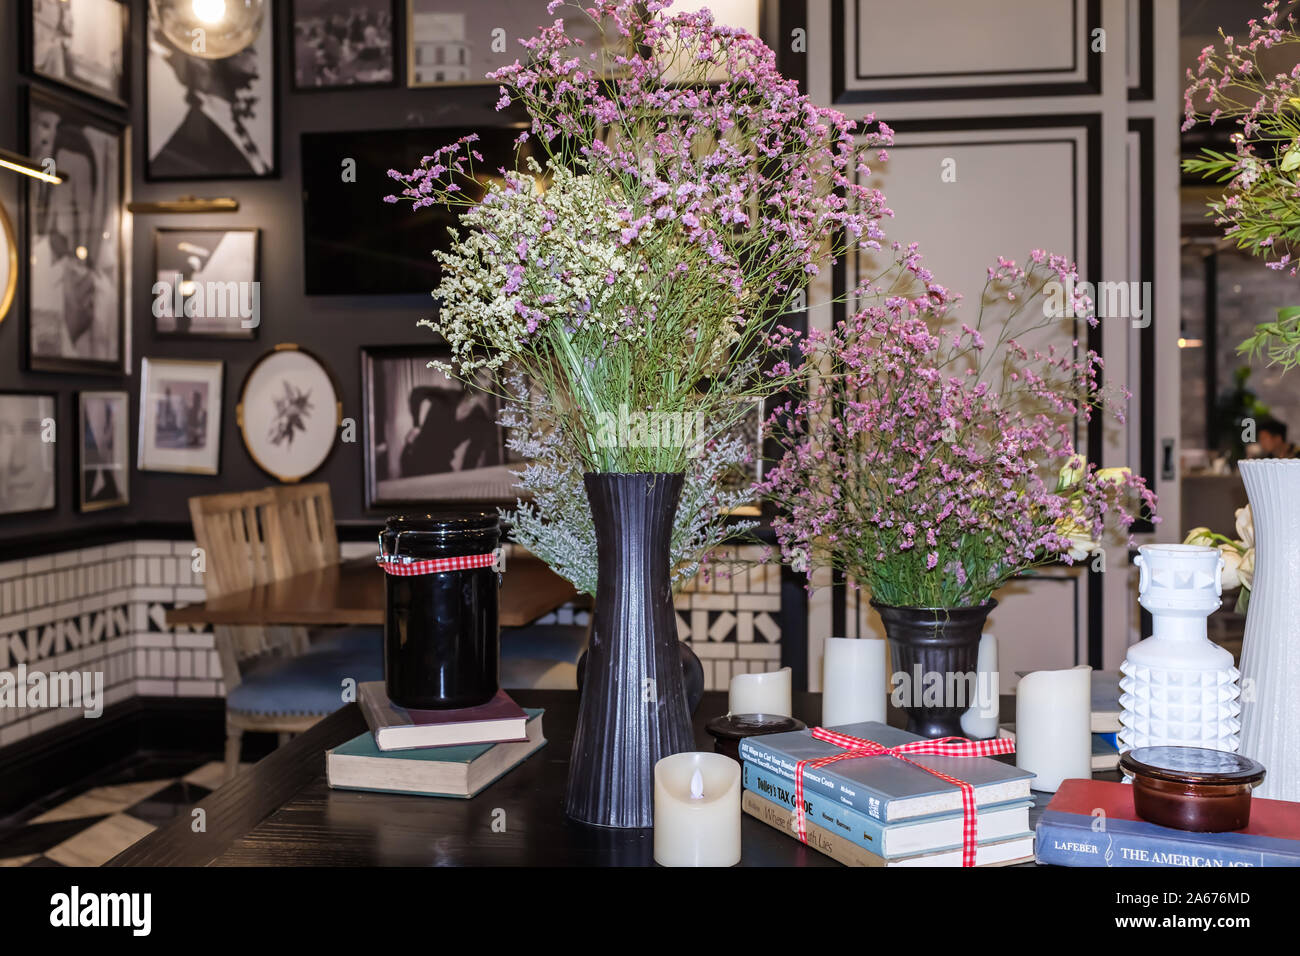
x: 685, y: 193
x: 932, y: 467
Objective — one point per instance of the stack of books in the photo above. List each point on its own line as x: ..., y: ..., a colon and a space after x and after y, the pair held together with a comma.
x: 882, y: 811
x: 439, y: 753
x: 1093, y: 823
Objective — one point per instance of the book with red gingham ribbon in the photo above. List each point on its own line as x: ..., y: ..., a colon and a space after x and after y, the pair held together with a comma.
x: 883, y: 787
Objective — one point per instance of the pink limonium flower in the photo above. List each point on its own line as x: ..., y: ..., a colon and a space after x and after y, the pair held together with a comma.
x: 932, y: 467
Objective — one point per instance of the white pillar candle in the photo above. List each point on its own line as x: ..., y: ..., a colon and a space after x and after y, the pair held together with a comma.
x: 697, y: 810
x: 761, y: 694
x: 981, y: 721
x: 1054, y: 726
x: 853, y: 681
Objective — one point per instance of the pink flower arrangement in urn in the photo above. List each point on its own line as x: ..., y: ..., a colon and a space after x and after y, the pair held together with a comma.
x: 933, y: 461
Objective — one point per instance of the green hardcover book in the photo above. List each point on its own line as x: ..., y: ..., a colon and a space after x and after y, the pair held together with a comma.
x: 431, y: 771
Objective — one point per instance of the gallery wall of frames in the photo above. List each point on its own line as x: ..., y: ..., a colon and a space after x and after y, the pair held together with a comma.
x: 169, y: 354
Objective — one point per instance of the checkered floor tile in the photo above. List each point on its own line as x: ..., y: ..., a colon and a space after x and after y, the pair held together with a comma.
x: 89, y: 825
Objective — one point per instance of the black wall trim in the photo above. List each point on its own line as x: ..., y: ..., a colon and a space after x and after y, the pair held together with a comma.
x: 840, y: 93
x: 36, y: 545
x: 1145, y: 129
x: 65, y: 754
x: 1145, y: 88
x: 792, y: 15
x: 33, y: 546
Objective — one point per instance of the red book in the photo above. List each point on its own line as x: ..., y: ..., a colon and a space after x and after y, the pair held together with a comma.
x: 500, y: 720
x: 1093, y: 823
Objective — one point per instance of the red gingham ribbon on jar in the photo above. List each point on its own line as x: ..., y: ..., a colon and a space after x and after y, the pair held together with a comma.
x: 855, y: 747
x: 462, y: 562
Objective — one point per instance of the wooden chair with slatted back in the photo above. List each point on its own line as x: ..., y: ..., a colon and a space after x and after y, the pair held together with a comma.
x: 307, y: 520
x: 244, y: 545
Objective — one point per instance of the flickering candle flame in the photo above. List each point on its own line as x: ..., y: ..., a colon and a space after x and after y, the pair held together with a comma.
x: 697, y: 785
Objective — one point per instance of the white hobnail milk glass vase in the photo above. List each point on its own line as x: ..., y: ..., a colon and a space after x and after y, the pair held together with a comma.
x: 1178, y: 688
x: 1270, y: 658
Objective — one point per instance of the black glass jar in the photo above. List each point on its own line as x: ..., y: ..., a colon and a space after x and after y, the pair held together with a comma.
x: 442, y: 645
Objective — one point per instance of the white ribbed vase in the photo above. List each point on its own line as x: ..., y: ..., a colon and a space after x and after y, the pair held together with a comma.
x: 1270, y: 658
x: 1178, y: 688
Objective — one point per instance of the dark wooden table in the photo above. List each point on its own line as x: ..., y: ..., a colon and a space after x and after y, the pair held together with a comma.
x: 353, y: 593
x: 281, y: 812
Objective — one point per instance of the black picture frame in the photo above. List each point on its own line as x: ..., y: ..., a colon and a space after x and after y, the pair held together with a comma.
x: 31, y: 60
x: 192, y: 169
x: 83, y: 505
x: 240, y: 333
x: 396, y: 40
x: 53, y: 399
x: 374, y: 499
x: 38, y: 195
x: 507, y: 20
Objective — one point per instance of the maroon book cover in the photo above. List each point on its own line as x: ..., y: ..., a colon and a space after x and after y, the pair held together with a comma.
x: 500, y: 707
x: 1278, y: 819
x: 500, y: 720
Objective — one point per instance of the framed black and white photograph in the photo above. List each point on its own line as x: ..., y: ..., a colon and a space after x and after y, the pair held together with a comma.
x: 289, y: 413
x: 341, y: 44
x: 27, y: 452
x: 81, y: 44
x: 427, y: 437
x: 210, y: 118
x: 180, y: 416
x: 459, y: 47
x: 8, y: 262
x: 206, y: 283
x: 103, y: 450
x: 75, y: 310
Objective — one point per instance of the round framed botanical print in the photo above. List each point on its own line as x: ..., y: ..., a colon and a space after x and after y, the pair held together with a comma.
x: 289, y: 413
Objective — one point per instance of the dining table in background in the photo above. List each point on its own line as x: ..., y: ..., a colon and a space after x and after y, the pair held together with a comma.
x: 352, y: 593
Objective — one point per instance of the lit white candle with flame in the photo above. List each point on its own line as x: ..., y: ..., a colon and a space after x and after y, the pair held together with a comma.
x: 697, y: 810
x: 761, y: 694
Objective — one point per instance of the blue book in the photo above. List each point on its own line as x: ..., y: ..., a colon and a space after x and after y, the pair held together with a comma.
x: 1093, y: 823
x: 890, y: 841
x: 886, y: 788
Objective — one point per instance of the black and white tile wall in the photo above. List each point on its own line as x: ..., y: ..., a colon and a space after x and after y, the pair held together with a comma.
x: 101, y: 610
x: 731, y: 616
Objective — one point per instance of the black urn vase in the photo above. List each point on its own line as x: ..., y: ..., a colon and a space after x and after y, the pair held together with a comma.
x: 633, y: 709
x: 935, y: 654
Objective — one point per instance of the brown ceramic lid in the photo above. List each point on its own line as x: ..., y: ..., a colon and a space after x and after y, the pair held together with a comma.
x: 1193, y: 765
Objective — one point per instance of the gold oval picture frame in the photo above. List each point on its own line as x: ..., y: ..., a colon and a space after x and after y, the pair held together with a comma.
x: 8, y: 262
x: 289, y: 413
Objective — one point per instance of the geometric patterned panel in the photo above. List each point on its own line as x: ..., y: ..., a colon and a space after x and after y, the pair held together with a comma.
x: 730, y: 615
x: 101, y: 611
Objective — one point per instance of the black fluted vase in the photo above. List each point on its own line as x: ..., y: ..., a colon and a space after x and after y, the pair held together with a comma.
x: 926, y: 641
x: 692, y: 673
x: 633, y: 708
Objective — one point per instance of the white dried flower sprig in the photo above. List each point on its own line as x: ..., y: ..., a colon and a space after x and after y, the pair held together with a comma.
x: 556, y: 524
